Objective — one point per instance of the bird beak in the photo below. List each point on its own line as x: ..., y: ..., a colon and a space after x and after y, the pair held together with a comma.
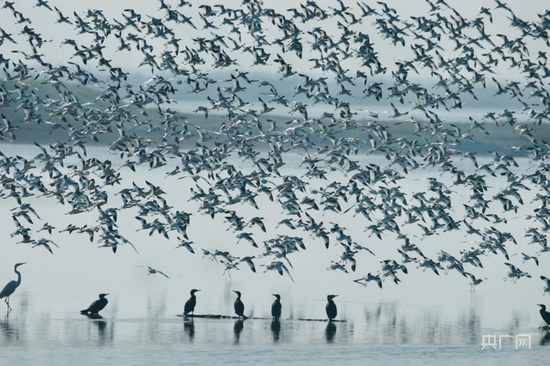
x: 334, y: 295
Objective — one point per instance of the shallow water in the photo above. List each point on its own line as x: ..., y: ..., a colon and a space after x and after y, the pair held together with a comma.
x: 427, y: 319
x: 74, y: 340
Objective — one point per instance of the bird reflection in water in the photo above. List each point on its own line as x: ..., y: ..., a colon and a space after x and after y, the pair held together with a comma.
x: 330, y: 332
x: 101, y: 325
x: 545, y: 340
x: 189, y: 328
x: 237, y: 329
x: 9, y: 333
x: 101, y: 328
x: 276, y: 329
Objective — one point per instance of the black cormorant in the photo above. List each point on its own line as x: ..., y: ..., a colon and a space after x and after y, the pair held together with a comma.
x: 545, y: 315
x: 276, y: 307
x: 190, y: 304
x: 332, y: 311
x: 239, y: 306
x: 96, y: 306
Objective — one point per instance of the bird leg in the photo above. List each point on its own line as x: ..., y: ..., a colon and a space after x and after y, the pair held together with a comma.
x: 7, y: 301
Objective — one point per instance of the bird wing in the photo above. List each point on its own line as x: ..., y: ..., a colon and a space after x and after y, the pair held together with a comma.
x: 8, y: 289
x: 164, y: 274
x: 287, y: 271
x: 250, y: 264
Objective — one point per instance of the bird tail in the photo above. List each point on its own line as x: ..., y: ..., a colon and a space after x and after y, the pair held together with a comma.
x: 84, y: 311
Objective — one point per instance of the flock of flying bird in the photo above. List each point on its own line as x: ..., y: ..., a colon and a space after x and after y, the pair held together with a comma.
x: 456, y: 54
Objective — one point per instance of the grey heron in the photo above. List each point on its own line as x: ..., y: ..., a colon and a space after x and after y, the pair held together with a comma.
x: 11, y: 286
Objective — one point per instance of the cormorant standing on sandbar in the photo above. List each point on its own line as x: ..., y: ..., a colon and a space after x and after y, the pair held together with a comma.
x: 545, y: 315
x: 96, y: 306
x: 332, y: 311
x: 190, y: 304
x: 239, y: 306
x: 276, y: 307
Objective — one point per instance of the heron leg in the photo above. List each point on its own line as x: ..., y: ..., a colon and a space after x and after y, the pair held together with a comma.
x: 8, y: 303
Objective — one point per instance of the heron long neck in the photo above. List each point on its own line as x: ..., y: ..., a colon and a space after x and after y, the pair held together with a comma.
x: 18, y: 276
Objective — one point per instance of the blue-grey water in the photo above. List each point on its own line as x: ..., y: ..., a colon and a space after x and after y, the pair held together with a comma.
x: 427, y: 319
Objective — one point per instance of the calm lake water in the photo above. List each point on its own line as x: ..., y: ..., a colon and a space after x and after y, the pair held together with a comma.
x: 427, y: 319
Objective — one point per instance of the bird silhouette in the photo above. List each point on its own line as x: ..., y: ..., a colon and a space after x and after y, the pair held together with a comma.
x: 10, y: 288
x: 190, y: 304
x: 276, y: 307
x: 544, y: 314
x: 96, y: 306
x: 331, y: 308
x: 239, y: 305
